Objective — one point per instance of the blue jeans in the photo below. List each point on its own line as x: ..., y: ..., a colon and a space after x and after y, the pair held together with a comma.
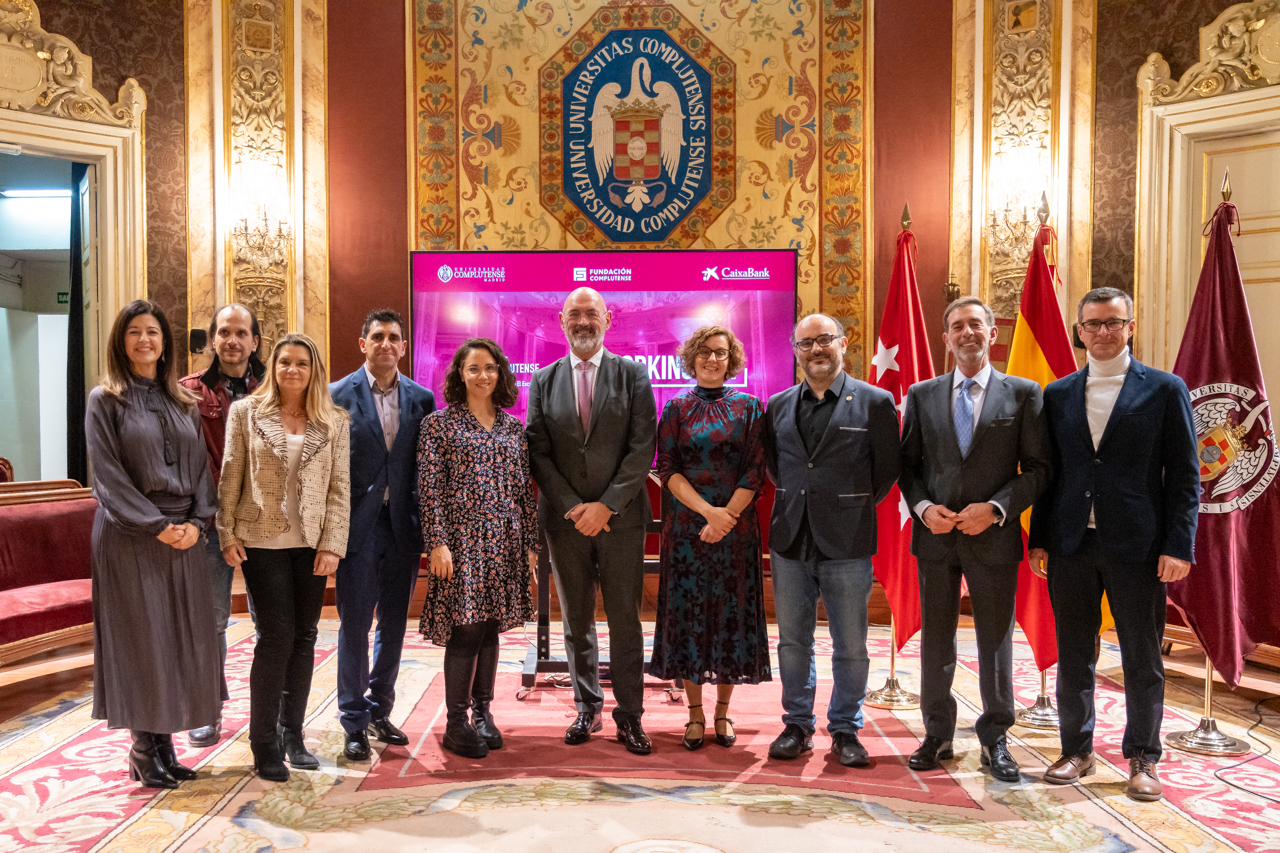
x: 845, y: 587
x: 221, y: 574
x: 376, y: 579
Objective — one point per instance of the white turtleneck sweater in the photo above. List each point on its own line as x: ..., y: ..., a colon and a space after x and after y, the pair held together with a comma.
x: 1101, y: 389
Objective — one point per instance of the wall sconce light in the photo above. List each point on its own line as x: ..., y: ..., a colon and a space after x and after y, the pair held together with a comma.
x: 261, y: 246
x: 1012, y: 226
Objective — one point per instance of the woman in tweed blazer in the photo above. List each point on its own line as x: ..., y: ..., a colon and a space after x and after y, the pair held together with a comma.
x: 284, y: 502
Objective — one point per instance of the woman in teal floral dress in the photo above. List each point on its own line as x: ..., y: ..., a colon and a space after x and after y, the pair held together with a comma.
x: 710, y: 623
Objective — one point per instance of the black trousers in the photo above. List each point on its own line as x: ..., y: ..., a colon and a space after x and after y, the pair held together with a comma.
x: 1136, y: 596
x: 992, y: 592
x: 612, y: 562
x: 288, y: 598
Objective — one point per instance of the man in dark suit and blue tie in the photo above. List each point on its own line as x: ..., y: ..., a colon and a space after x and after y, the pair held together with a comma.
x: 592, y: 431
x: 831, y: 446
x: 381, y: 567
x: 975, y: 455
x: 1120, y: 518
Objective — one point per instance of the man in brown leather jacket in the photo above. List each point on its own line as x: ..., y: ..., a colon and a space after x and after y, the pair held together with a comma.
x: 235, y: 373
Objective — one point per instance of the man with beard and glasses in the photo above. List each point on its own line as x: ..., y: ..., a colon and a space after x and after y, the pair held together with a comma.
x: 975, y: 455
x: 234, y: 374
x: 831, y: 447
x: 592, y: 430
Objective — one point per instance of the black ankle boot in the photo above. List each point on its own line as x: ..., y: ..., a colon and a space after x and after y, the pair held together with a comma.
x: 267, y: 762
x: 482, y: 695
x: 460, y: 737
x: 295, y: 749
x: 169, y: 758
x: 145, y: 765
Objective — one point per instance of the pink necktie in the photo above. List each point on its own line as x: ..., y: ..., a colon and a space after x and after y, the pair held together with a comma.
x: 584, y: 395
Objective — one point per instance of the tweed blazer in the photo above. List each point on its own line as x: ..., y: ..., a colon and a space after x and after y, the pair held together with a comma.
x: 255, y: 466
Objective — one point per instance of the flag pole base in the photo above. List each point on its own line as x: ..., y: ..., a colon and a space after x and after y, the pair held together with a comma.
x: 1206, y: 740
x: 1039, y: 715
x: 892, y: 697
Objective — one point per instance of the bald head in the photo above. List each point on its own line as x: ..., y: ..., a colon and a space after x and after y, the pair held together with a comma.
x: 584, y: 321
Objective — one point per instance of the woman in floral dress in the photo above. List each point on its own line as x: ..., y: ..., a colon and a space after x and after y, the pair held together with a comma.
x: 480, y: 527
x: 710, y: 623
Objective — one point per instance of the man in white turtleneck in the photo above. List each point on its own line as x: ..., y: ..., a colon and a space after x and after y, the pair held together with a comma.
x: 1119, y: 518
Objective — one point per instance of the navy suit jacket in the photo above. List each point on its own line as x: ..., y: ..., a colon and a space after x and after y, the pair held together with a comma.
x: 374, y: 468
x: 1143, y: 480
x: 836, y: 487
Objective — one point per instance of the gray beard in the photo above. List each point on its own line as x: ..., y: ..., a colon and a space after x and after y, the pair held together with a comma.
x: 580, y: 344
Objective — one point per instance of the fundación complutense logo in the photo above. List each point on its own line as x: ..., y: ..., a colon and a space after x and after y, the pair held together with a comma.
x: 637, y: 143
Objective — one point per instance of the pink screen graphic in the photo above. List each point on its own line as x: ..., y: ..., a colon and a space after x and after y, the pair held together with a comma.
x: 658, y: 298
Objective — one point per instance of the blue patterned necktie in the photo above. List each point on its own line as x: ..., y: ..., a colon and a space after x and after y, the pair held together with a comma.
x: 963, y: 416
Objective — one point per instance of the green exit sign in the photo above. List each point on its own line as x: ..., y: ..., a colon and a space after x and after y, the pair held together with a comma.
x: 64, y: 297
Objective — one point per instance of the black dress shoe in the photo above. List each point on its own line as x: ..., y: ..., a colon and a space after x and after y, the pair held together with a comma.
x: 385, y: 731
x: 145, y: 764
x: 268, y: 762
x: 357, y: 746
x: 930, y: 752
x: 793, y: 741
x: 205, y: 735
x: 631, y: 734
x: 295, y: 749
x: 1002, y: 765
x: 850, y: 750
x: 587, y: 723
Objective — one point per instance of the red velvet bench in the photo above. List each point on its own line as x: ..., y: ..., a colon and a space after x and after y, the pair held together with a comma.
x: 46, y: 590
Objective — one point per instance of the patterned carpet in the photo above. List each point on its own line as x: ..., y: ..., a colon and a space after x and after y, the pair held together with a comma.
x: 64, y: 787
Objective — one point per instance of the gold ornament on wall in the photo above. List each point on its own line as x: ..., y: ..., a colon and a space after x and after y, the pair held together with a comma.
x: 1240, y: 50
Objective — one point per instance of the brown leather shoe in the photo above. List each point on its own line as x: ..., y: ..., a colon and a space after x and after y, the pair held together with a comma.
x: 1144, y: 784
x: 1068, y: 769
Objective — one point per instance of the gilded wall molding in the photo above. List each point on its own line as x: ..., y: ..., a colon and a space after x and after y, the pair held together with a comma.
x: 259, y: 99
x: 315, y: 174
x: 203, y: 99
x: 1240, y: 50
x: 966, y: 29
x: 46, y: 74
x: 1083, y: 44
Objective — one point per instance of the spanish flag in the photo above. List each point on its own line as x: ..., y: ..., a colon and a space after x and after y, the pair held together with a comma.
x: 1041, y: 352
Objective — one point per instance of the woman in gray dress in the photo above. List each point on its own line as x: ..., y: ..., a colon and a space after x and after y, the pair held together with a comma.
x: 155, y: 655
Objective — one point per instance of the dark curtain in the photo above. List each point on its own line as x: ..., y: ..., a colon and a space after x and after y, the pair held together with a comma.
x: 77, y: 451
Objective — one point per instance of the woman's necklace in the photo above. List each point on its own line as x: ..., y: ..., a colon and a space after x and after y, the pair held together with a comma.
x: 295, y: 413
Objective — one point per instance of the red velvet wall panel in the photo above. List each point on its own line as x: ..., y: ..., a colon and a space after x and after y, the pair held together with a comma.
x: 368, y: 173
x: 911, y: 126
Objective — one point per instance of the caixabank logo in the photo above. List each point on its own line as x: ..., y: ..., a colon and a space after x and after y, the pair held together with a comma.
x: 637, y: 118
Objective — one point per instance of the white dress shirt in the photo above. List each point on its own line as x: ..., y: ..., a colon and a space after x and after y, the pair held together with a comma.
x: 1101, y: 389
x: 596, y: 360
x: 977, y: 393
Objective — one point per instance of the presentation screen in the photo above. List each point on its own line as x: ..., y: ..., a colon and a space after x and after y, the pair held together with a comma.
x: 658, y: 298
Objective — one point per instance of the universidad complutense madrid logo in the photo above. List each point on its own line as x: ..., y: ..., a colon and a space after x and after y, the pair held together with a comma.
x: 1235, y: 444
x: 637, y: 129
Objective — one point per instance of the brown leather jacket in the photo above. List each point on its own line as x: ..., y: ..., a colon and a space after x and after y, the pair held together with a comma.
x: 213, y: 402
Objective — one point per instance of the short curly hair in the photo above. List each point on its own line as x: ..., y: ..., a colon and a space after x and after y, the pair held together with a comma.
x: 689, y: 352
x: 455, y: 390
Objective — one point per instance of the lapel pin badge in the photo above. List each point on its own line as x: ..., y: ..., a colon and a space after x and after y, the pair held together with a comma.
x: 850, y: 397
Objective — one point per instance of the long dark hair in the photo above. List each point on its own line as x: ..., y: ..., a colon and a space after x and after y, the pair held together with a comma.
x: 455, y: 390
x: 119, y: 372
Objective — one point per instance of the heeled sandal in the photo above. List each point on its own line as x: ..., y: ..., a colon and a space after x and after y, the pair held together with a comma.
x: 731, y: 738
x: 688, y: 742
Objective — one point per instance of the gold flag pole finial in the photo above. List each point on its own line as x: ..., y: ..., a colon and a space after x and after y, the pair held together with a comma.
x: 1226, y: 185
x: 1043, y: 211
x: 906, y: 216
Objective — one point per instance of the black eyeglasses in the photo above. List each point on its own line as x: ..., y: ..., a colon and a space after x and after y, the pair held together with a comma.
x: 1115, y: 324
x: 822, y: 341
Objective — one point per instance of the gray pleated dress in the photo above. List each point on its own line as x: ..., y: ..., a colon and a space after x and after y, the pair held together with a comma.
x: 156, y: 662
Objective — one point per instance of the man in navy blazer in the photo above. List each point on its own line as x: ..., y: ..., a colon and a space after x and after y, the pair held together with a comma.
x: 975, y: 455
x: 1120, y: 518
x: 385, y: 545
x: 831, y: 447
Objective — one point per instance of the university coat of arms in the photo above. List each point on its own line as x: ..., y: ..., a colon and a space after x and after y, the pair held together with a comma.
x: 1235, y: 445
x: 637, y: 116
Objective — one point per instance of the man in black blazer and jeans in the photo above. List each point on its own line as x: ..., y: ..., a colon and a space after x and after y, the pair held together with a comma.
x: 592, y: 428
x: 1120, y: 518
x: 831, y: 446
x: 975, y: 455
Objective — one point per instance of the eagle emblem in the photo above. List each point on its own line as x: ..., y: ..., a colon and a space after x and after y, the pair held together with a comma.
x: 1232, y: 456
x: 636, y: 135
